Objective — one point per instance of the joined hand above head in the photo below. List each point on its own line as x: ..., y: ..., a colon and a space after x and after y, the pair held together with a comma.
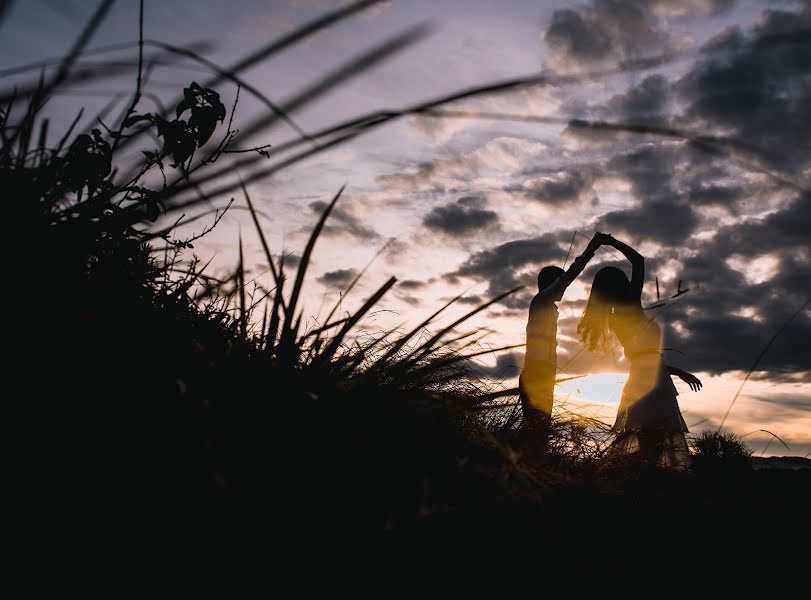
x: 602, y: 238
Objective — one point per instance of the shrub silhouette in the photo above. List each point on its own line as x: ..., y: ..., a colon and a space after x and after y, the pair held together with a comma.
x: 714, y: 451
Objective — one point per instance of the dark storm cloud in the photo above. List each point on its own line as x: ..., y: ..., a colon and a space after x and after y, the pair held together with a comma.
x: 615, y: 31
x: 465, y: 216
x: 511, y: 264
x: 602, y: 31
x: 719, y: 195
x: 339, y: 278
x: 647, y: 101
x: 664, y: 213
x: 720, y: 340
x: 666, y: 222
x: 344, y: 220
x: 759, y: 93
x: 649, y: 167
x: 719, y: 183
x: 563, y: 190
x: 729, y: 319
x: 783, y: 230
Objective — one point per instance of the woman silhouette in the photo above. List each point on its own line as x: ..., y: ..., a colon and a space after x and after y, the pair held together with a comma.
x: 648, y: 419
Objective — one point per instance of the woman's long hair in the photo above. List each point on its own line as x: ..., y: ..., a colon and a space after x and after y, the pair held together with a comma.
x: 609, y: 290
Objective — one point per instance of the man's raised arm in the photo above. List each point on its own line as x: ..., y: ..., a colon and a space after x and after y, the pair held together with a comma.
x: 577, y: 266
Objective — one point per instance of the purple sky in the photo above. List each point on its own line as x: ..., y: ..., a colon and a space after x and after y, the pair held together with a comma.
x: 478, y: 206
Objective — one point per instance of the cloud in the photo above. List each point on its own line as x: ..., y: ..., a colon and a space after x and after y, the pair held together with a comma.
x: 511, y: 264
x: 412, y: 300
x: 604, y: 31
x: 649, y: 168
x: 344, y: 220
x: 648, y: 101
x: 405, y: 290
x: 436, y: 129
x: 729, y: 318
x: 291, y: 260
x: 668, y: 9
x: 598, y: 125
x: 508, y: 366
x: 786, y: 399
x: 411, y: 284
x: 474, y: 300
x: 756, y: 91
x: 499, y: 156
x: 717, y: 195
x: 467, y: 215
x: 665, y: 222
x: 786, y: 229
x: 421, y: 176
x: 563, y: 190
x: 338, y: 279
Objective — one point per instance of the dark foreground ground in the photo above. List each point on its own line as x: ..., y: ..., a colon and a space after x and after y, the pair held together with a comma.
x: 343, y: 533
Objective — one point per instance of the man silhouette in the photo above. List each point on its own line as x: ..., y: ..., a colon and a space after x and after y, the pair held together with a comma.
x: 537, y: 381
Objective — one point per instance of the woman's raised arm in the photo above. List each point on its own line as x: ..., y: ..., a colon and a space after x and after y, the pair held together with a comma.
x: 637, y: 263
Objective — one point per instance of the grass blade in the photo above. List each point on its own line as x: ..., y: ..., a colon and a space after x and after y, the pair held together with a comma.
x: 302, y: 269
x: 402, y: 341
x: 243, y: 316
x: 262, y: 239
x: 278, y: 304
x: 329, y: 352
x: 88, y: 31
x: 427, y: 346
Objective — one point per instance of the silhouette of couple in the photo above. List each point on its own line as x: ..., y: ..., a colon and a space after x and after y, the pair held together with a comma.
x: 649, y: 423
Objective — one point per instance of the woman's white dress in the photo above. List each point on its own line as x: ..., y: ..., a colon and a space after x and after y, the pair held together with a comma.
x: 648, y: 409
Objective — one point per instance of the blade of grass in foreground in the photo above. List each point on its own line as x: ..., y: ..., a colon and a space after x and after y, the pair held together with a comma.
x: 403, y: 340
x: 429, y: 370
x: 262, y: 239
x: 426, y: 348
x: 84, y: 37
x: 243, y: 317
x: 329, y: 352
x: 341, y: 75
x: 278, y: 304
x: 327, y: 323
x: 288, y: 336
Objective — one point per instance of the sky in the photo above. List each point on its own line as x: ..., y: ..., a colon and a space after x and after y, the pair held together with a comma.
x: 711, y: 185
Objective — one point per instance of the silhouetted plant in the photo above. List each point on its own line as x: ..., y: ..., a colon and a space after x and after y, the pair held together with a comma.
x: 714, y: 451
